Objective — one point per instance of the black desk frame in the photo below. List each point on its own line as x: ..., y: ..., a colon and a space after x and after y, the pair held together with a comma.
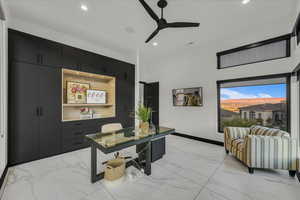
x: 147, y: 140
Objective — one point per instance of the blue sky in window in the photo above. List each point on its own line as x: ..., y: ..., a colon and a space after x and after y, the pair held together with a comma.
x: 260, y: 91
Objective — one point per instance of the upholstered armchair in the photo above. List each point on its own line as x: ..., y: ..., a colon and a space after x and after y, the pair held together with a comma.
x: 261, y: 147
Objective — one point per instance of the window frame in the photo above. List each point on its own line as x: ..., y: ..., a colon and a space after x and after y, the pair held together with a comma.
x: 286, y: 38
x: 287, y: 76
x: 245, y: 115
x: 252, y: 115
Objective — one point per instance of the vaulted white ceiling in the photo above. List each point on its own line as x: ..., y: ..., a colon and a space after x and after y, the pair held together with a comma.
x: 123, y: 25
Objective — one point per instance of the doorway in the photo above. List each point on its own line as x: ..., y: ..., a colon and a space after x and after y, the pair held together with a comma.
x: 150, y: 98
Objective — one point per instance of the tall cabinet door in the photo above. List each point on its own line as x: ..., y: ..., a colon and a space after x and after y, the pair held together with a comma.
x: 50, y: 111
x: 24, y: 120
x: 23, y: 48
x: 51, y: 53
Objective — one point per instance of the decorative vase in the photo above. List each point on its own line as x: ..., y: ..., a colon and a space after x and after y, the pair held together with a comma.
x: 144, y: 126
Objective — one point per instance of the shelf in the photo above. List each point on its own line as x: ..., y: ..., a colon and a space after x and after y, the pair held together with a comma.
x: 87, y: 105
x: 71, y: 112
x: 76, y: 119
x: 87, y: 75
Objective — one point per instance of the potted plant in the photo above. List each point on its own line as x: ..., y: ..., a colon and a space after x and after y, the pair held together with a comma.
x: 143, y: 113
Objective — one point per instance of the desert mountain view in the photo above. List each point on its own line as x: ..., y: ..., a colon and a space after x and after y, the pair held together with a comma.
x: 233, y: 105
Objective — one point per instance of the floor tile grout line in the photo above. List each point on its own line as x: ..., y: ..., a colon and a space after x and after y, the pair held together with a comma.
x: 208, y: 180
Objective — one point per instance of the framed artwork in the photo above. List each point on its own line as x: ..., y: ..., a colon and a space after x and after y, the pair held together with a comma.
x: 96, y: 96
x: 188, y: 97
x: 76, y: 92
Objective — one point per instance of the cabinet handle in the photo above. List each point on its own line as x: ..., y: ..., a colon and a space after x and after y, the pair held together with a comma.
x: 38, y: 58
x: 38, y: 111
x: 41, y: 111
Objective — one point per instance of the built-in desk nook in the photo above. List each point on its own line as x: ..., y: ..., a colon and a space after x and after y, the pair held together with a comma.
x: 87, y: 96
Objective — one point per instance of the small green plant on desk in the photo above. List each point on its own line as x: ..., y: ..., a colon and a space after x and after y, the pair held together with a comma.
x: 144, y: 113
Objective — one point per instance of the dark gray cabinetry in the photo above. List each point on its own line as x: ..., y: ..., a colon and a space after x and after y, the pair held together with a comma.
x: 74, y: 132
x: 151, y: 99
x: 23, y: 119
x: 125, y: 83
x: 34, y: 112
x: 35, y: 127
x: 34, y: 50
x: 71, y: 57
x: 158, y: 149
x: 22, y: 48
x: 50, y: 111
x: 50, y: 53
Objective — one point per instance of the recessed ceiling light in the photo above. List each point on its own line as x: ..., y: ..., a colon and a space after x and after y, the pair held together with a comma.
x: 154, y: 43
x: 245, y: 1
x: 84, y: 7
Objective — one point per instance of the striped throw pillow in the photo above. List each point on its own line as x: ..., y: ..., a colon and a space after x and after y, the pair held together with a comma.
x: 260, y: 130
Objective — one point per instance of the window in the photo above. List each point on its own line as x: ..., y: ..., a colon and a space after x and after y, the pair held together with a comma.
x: 271, y: 49
x: 252, y: 115
x: 254, y: 101
x: 245, y: 115
x: 259, y: 116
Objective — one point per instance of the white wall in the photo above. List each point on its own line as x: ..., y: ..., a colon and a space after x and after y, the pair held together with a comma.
x: 3, y: 96
x: 295, y: 46
x: 197, y: 67
x: 295, y: 84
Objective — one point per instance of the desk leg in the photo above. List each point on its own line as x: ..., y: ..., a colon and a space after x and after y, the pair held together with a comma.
x: 93, y: 163
x: 148, y: 159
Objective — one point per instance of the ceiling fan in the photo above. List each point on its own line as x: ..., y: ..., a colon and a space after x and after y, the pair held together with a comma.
x: 161, y: 22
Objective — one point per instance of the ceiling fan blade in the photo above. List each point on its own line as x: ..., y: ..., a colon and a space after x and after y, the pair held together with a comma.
x: 149, y: 10
x: 152, y: 35
x: 182, y: 25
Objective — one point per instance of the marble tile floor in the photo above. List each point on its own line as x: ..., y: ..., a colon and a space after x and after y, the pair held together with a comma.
x: 190, y: 170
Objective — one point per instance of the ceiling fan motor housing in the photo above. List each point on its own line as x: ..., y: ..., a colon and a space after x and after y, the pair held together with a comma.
x: 162, y: 3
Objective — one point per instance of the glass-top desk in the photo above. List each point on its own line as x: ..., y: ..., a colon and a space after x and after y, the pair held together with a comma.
x: 118, y: 140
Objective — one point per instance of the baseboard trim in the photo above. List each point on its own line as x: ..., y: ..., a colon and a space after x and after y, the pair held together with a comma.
x: 2, y: 179
x: 199, y: 139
